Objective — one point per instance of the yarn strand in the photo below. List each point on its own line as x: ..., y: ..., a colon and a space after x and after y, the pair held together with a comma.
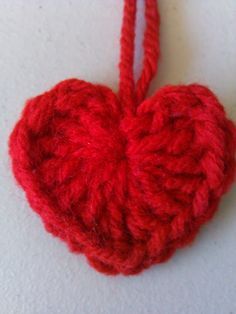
x: 151, y: 49
x: 127, y: 86
x: 129, y: 93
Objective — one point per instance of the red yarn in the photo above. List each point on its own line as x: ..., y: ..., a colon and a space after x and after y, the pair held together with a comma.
x: 123, y: 181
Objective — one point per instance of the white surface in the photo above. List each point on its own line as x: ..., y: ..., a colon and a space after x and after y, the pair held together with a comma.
x: 45, y: 41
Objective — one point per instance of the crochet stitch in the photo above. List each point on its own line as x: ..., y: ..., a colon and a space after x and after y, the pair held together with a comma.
x: 124, y: 180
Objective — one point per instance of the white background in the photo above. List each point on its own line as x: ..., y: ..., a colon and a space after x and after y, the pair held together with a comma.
x: 45, y: 41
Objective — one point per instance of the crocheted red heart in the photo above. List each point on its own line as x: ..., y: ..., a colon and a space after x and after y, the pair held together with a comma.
x: 125, y: 190
x: 125, y: 184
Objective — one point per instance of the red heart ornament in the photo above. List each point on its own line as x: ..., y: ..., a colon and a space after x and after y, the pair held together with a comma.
x: 125, y: 190
x: 126, y: 187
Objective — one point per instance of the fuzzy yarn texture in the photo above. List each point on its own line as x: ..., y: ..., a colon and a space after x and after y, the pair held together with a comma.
x: 123, y: 179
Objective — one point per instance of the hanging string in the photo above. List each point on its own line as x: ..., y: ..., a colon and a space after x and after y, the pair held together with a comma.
x: 132, y: 94
x: 151, y: 49
x: 127, y: 85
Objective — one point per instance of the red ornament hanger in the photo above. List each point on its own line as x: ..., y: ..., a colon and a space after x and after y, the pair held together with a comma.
x: 129, y: 93
x: 124, y: 180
